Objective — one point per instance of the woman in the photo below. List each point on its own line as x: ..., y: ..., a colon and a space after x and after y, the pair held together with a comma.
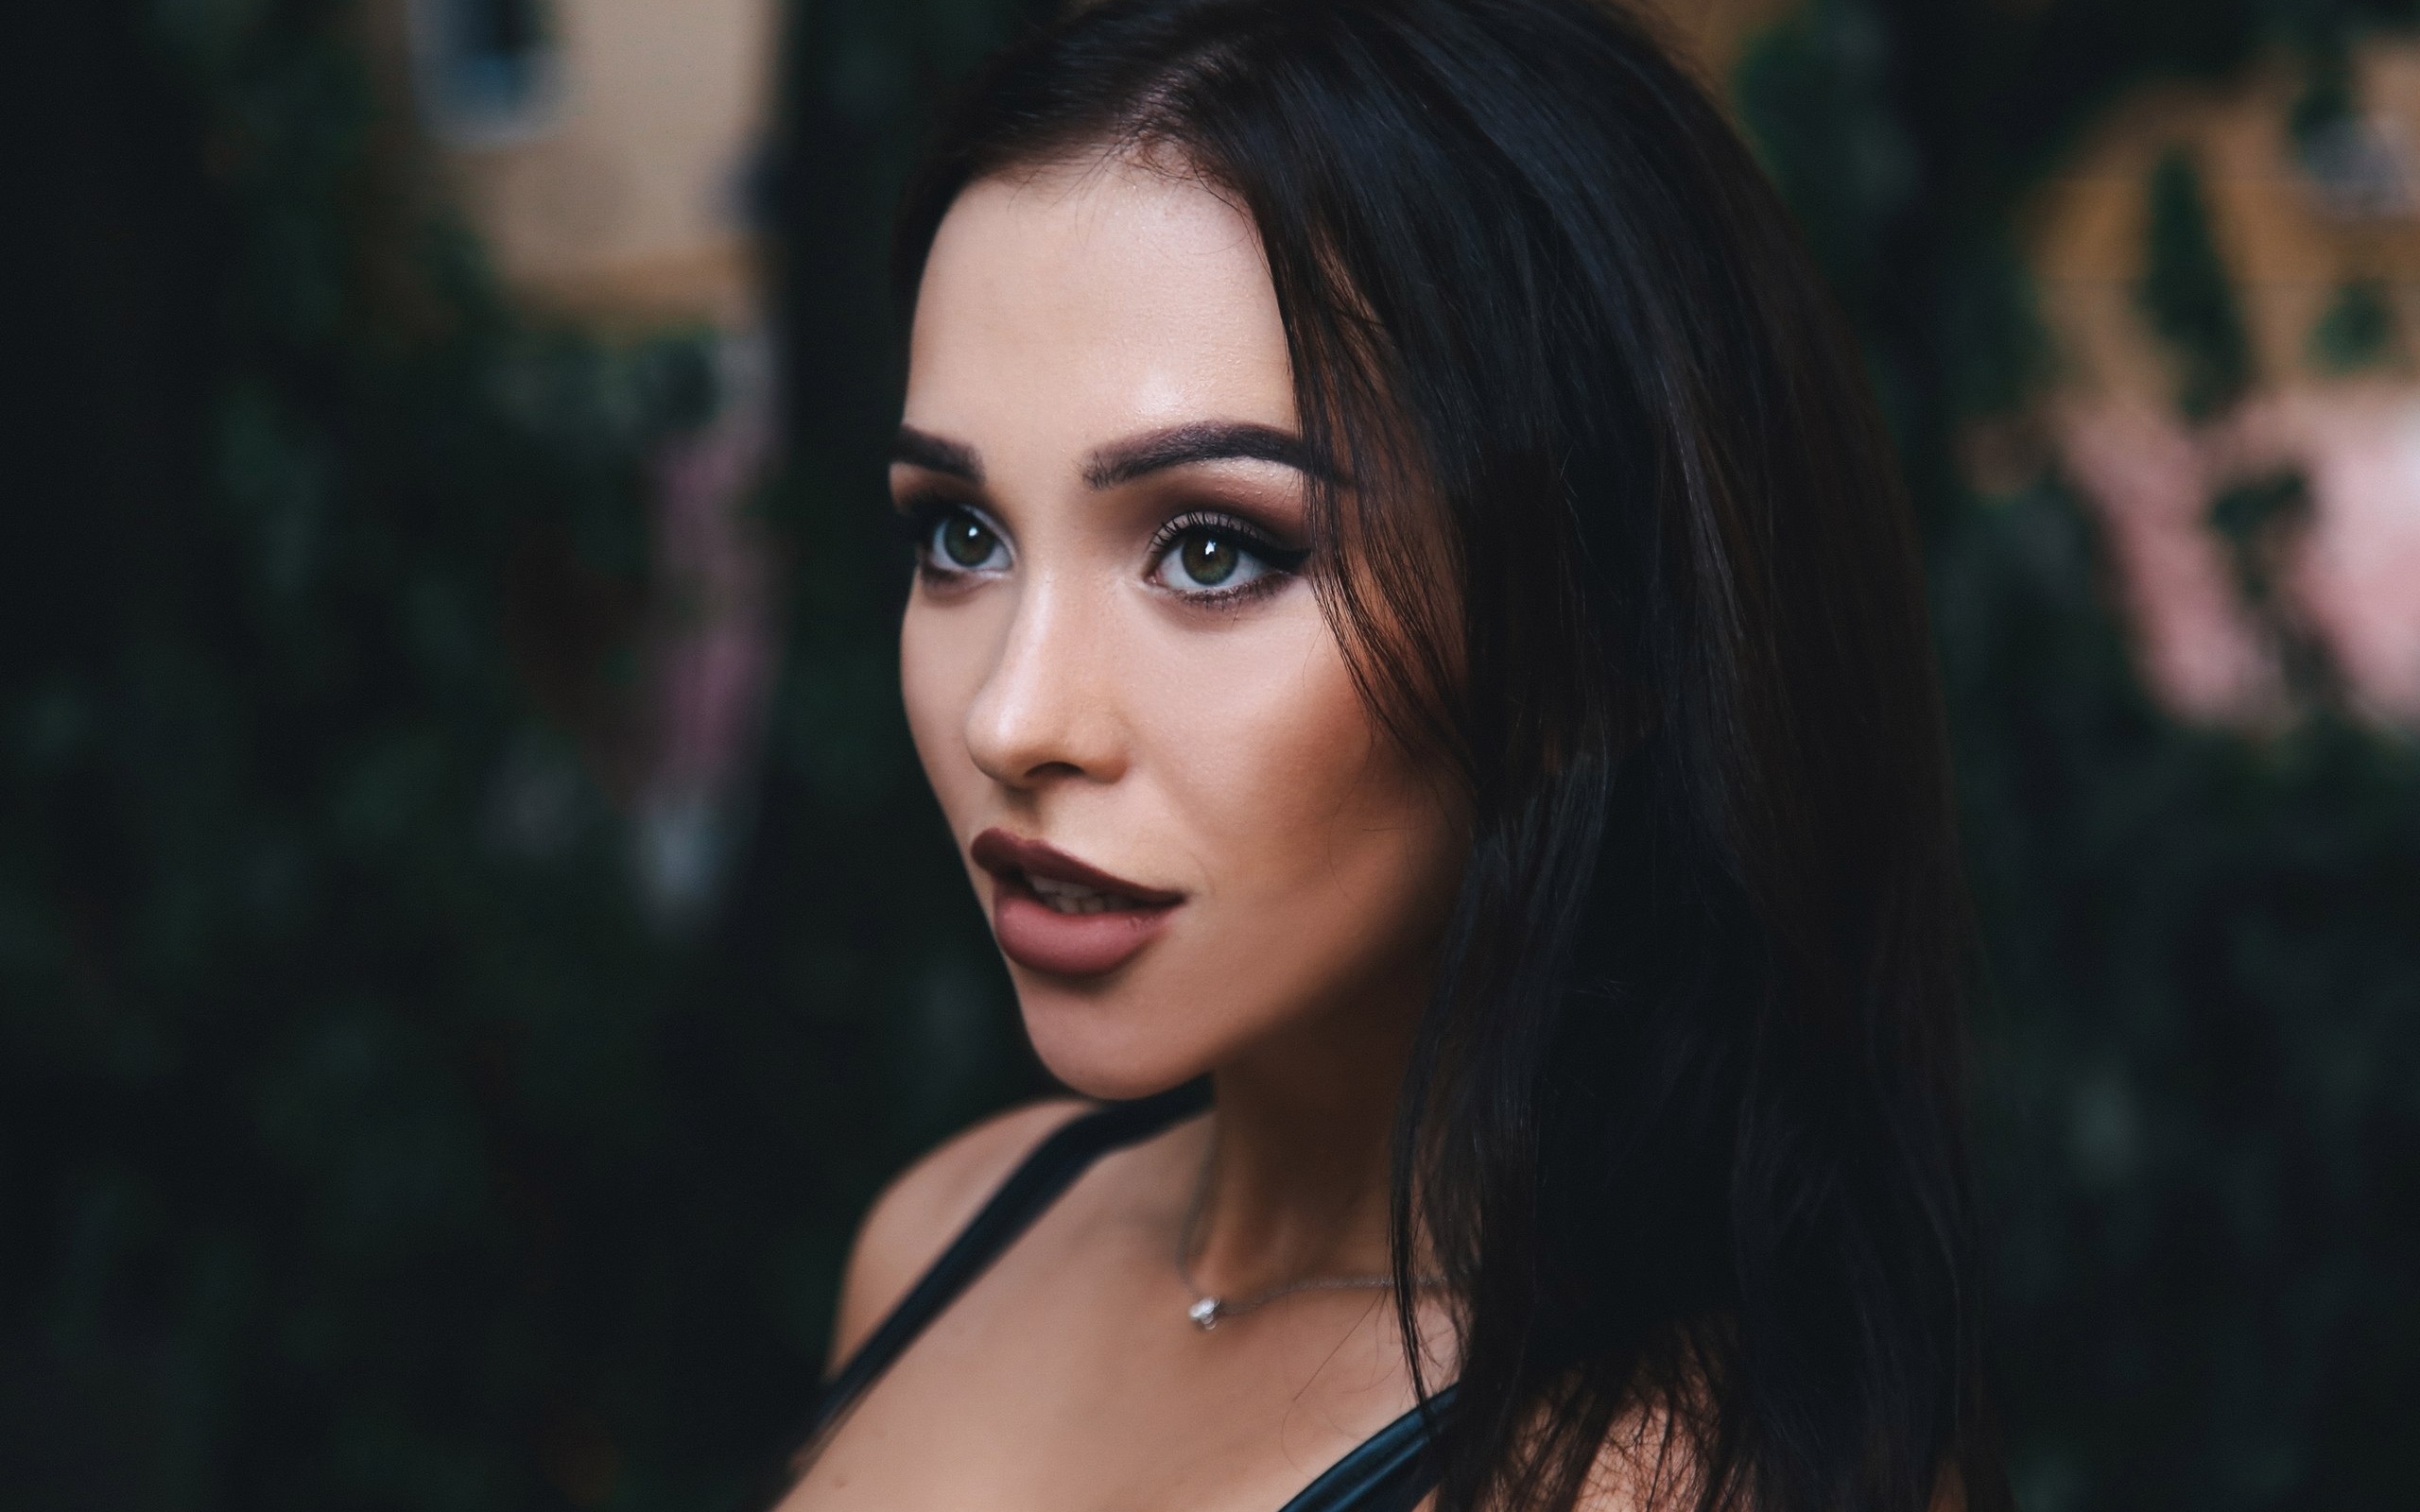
x: 1416, y: 636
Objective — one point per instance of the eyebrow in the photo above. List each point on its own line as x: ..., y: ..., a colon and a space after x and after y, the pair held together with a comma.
x: 1135, y: 457
x: 952, y: 458
x: 1208, y: 441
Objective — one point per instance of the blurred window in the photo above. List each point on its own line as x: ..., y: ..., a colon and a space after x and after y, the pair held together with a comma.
x: 489, y: 70
x: 2361, y: 167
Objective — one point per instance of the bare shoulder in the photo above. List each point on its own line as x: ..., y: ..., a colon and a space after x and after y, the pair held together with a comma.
x: 926, y: 1205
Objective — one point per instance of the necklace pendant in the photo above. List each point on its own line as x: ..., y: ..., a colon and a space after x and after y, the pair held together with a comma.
x: 1204, y: 1314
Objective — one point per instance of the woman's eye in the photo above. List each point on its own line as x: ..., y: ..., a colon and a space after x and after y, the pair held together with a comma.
x: 1205, y: 557
x: 963, y: 543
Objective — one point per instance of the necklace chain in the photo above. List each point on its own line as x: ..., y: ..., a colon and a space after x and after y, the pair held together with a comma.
x: 1208, y: 1311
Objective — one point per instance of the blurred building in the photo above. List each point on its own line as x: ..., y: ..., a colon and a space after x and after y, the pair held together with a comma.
x: 606, y: 152
x: 603, y: 147
x: 2313, y: 207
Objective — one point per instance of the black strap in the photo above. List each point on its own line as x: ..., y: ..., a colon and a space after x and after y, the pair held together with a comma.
x: 1031, y: 1188
x: 1389, y: 1471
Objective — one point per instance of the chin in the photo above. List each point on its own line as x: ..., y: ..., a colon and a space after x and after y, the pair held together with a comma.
x: 1100, y: 1045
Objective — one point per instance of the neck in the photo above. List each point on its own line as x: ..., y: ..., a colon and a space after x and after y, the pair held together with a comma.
x: 1296, y: 1182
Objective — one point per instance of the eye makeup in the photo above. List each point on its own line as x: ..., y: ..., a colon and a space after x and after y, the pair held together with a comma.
x: 1224, y: 558
x: 1204, y: 556
x: 951, y: 539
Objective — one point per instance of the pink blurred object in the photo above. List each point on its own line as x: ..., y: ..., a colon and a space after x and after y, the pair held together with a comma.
x: 2355, y: 581
x: 712, y: 657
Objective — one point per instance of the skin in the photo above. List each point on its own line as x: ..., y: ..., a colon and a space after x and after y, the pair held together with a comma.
x: 1080, y: 688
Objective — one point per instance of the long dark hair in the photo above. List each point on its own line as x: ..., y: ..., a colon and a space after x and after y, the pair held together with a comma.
x: 1617, y: 533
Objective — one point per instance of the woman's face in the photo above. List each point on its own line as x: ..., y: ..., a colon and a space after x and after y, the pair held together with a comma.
x: 1191, y: 837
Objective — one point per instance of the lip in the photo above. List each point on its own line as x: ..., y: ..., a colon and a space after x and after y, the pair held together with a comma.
x: 1035, y: 937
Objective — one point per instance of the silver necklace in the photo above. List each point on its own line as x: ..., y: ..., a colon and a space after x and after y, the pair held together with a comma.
x: 1208, y: 1311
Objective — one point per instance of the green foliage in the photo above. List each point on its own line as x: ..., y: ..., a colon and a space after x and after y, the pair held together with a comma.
x: 2249, y: 517
x: 2201, y: 1146
x: 332, y: 1103
x: 2199, y: 1129
x: 2358, y: 330
x: 2263, y: 523
x: 2187, y: 295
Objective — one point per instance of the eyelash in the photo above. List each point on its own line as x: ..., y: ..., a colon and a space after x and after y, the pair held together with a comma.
x: 1282, y: 562
x: 921, y: 515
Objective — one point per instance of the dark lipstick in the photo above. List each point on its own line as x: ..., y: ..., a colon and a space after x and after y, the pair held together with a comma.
x: 1122, y: 916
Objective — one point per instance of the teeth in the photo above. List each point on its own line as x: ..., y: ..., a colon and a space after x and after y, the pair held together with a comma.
x: 1074, y: 897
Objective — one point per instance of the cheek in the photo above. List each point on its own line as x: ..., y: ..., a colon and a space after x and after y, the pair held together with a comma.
x: 1324, y: 847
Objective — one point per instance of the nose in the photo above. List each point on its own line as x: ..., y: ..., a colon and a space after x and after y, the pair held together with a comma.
x: 1048, y: 709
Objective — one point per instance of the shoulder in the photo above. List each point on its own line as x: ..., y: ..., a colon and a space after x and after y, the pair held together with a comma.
x: 923, y: 1209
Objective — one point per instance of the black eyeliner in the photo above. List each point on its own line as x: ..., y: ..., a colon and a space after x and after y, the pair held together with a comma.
x: 920, y: 515
x: 1284, y: 562
x: 1282, y: 558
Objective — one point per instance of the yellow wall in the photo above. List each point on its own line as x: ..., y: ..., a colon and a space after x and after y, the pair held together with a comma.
x: 2288, y: 252
x: 625, y: 201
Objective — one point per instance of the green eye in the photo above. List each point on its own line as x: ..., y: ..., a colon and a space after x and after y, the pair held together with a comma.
x: 1207, y: 557
x: 966, y: 542
x: 1208, y: 560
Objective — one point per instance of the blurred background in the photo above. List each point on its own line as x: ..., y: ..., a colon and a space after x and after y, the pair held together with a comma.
x: 473, y: 934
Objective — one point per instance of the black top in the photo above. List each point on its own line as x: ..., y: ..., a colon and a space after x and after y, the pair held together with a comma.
x: 1386, y: 1472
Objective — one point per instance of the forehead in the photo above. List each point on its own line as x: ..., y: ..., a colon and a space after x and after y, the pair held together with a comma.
x: 1062, y: 308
